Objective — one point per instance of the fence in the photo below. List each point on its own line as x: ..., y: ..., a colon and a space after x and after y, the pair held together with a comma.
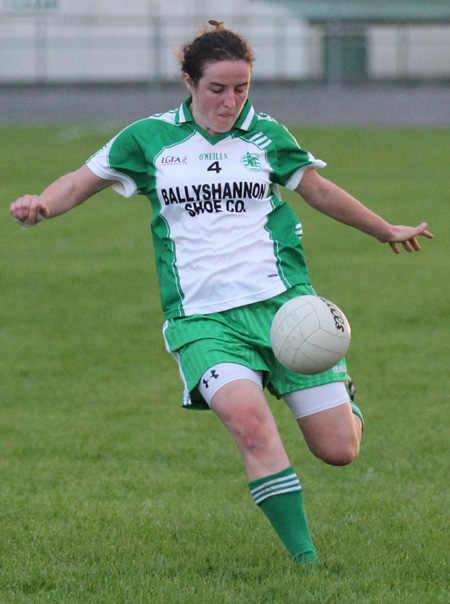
x: 48, y: 47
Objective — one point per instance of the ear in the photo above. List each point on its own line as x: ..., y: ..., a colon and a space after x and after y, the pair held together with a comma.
x: 188, y: 82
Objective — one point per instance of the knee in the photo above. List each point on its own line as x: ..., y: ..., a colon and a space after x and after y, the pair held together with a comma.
x: 253, y: 434
x: 243, y: 409
x: 341, y: 454
x: 333, y: 435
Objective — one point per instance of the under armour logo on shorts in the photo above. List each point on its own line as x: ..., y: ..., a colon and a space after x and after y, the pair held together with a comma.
x: 213, y: 375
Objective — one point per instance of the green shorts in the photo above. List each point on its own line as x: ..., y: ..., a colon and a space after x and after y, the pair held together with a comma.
x: 240, y: 335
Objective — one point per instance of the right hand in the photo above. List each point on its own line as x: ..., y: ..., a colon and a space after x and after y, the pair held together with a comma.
x: 407, y: 236
x: 28, y: 209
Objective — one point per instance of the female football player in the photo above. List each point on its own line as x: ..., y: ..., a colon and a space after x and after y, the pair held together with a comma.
x: 229, y: 254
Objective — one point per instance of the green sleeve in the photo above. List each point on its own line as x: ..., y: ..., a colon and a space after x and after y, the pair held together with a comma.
x: 287, y: 158
x: 127, y: 156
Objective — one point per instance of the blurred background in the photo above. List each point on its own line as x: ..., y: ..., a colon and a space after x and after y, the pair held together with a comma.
x: 350, y: 61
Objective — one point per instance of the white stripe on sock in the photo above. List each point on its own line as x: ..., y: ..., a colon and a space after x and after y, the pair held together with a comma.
x: 286, y: 484
x: 260, y: 499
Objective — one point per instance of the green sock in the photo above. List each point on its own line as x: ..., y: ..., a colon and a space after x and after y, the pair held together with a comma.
x: 357, y: 411
x: 350, y: 386
x: 280, y: 498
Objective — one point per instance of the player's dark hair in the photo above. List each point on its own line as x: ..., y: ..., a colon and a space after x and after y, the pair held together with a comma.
x: 220, y: 44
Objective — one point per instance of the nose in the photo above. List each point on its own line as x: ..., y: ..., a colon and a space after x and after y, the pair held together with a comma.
x: 230, y: 99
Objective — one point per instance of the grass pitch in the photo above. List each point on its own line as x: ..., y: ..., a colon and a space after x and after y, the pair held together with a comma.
x: 113, y: 494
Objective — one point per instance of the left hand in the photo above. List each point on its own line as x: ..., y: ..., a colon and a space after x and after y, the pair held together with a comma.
x: 407, y: 237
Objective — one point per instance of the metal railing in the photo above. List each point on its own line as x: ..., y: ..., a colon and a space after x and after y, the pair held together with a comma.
x: 47, y: 47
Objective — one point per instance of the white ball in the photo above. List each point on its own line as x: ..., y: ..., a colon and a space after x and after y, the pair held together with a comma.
x: 310, y: 335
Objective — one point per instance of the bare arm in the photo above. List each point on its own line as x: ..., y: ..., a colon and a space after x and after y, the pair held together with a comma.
x: 61, y: 196
x: 333, y: 201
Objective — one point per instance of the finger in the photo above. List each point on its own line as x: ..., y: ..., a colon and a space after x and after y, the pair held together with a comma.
x: 415, y: 244
x: 33, y: 208
x: 422, y: 230
x: 407, y: 246
x: 19, y: 208
x: 22, y: 209
x: 32, y: 211
x: 27, y: 208
x: 15, y: 209
x: 394, y: 248
x: 37, y: 214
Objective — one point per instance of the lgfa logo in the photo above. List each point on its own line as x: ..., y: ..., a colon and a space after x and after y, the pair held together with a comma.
x: 251, y: 162
x: 172, y: 160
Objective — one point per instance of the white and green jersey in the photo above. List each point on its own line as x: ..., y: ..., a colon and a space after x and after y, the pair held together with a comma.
x: 223, y: 237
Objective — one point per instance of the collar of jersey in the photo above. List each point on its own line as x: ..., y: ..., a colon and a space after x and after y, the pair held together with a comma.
x: 245, y: 121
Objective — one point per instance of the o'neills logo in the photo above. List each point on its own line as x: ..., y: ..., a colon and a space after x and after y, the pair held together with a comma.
x: 173, y: 160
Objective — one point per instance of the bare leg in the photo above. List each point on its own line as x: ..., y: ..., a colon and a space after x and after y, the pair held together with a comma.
x: 334, y: 435
x: 243, y: 409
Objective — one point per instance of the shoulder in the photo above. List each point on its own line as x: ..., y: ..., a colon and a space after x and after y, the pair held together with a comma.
x: 150, y: 133
x: 158, y: 120
x: 263, y: 120
x: 267, y: 130
x: 267, y: 123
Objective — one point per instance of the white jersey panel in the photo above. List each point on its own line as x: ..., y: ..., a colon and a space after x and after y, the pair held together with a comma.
x: 216, y: 206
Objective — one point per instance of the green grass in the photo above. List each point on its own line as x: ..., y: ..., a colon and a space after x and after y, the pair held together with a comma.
x: 110, y: 493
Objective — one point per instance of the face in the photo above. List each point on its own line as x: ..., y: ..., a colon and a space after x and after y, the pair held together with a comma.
x: 219, y: 95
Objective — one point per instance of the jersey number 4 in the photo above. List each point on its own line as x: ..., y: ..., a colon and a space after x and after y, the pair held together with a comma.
x: 214, y: 167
